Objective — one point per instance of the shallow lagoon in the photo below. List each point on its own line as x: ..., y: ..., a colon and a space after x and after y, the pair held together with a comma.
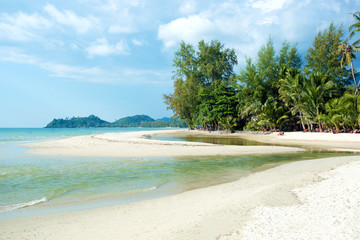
x: 60, y: 184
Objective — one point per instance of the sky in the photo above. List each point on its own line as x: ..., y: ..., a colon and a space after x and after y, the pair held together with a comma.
x: 113, y: 58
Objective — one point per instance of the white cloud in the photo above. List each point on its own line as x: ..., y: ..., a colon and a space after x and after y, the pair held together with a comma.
x: 21, y: 26
x: 102, y: 48
x: 270, y: 5
x: 117, y: 28
x: 56, y: 70
x: 187, y: 7
x: 190, y: 29
x: 8, y: 54
x: 74, y: 72
x: 69, y: 18
x: 139, y: 42
x: 246, y: 25
x: 130, y: 76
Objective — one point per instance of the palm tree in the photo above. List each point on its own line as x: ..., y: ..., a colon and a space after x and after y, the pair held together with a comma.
x: 335, y: 114
x: 348, y: 50
x: 351, y: 108
x: 273, y: 114
x: 290, y: 90
x: 317, y: 91
x: 355, y: 27
x: 228, y: 123
x: 347, y: 55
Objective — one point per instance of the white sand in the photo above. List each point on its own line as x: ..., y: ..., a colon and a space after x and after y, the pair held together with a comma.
x: 329, y: 209
x: 135, y: 144
x: 342, y: 142
x: 263, y: 205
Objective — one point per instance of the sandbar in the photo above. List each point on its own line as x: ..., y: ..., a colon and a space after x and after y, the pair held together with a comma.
x: 138, y: 144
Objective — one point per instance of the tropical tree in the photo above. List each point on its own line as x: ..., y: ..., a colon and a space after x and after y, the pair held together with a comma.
x: 185, y: 100
x: 354, y: 28
x: 220, y: 104
x: 228, y: 123
x: 198, y: 74
x: 335, y: 114
x: 351, y: 106
x: 347, y: 55
x: 273, y: 114
x: 291, y: 92
x: 318, y: 90
x: 251, y: 92
x: 320, y: 57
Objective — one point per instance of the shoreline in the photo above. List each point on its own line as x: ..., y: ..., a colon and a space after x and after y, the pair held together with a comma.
x: 138, y: 144
x: 225, y: 211
x: 216, y: 212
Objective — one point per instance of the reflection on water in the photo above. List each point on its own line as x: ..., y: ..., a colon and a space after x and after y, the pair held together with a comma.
x: 210, y: 139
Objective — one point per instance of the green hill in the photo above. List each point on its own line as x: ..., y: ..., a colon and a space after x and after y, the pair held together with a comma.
x: 78, y: 122
x: 134, y: 121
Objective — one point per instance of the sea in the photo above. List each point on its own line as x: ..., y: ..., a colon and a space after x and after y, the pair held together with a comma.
x: 32, y: 185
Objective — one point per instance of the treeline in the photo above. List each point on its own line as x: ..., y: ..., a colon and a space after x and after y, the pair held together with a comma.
x: 134, y: 121
x: 278, y: 90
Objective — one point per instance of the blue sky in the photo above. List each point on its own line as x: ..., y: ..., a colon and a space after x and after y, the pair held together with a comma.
x: 114, y: 58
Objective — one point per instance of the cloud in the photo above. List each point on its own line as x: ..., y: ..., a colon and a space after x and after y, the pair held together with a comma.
x: 8, y: 54
x: 102, y: 48
x: 246, y: 25
x: 22, y: 26
x: 189, y: 29
x: 267, y: 6
x: 187, y: 7
x: 88, y: 74
x: 139, y: 42
x: 56, y: 70
x: 69, y: 18
x: 118, y: 28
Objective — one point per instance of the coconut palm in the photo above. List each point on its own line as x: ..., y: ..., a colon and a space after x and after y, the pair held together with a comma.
x: 273, y: 114
x: 335, y: 114
x: 290, y: 90
x: 228, y: 123
x: 355, y: 27
x: 347, y: 55
x: 317, y: 91
x: 351, y: 108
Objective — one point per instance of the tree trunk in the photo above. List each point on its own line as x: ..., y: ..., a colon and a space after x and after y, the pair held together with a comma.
x: 302, y: 121
x: 320, y: 127
x: 355, y: 83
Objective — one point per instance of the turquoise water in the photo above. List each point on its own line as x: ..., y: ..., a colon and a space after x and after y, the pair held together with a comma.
x: 27, y: 180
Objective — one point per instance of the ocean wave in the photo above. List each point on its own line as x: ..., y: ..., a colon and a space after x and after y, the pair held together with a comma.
x: 142, y: 190
x: 22, y: 205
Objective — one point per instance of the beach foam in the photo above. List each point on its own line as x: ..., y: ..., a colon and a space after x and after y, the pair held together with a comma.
x: 22, y: 205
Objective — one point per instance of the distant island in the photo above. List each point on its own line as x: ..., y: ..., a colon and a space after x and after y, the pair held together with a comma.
x: 93, y: 121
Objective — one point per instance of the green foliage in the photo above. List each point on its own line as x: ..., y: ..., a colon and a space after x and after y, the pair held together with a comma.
x: 273, y: 114
x: 275, y: 91
x: 317, y: 91
x: 355, y: 28
x: 320, y: 57
x: 199, y: 80
x: 218, y: 104
x: 259, y: 85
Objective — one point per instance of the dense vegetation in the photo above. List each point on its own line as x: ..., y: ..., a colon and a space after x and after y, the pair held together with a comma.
x: 278, y: 90
x: 134, y: 121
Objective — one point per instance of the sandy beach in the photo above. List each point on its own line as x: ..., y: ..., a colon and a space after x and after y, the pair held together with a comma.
x: 137, y: 144
x: 313, y: 199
